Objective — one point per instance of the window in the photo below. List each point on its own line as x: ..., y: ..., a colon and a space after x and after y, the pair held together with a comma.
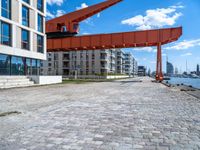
x: 13, y: 65
x: 6, y: 8
x: 5, y: 34
x: 34, y: 67
x: 40, y: 23
x: 25, y: 39
x: 25, y: 16
x: 40, y: 5
x: 27, y: 1
x: 4, y: 64
x: 28, y: 67
x: 17, y: 65
x: 40, y: 41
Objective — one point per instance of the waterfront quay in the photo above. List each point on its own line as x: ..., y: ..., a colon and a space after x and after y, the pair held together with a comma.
x: 118, y: 115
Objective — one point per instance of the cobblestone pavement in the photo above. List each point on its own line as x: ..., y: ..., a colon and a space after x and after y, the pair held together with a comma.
x: 120, y: 115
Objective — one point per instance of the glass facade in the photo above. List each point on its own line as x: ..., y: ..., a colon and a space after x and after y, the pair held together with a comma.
x: 17, y: 65
x: 13, y: 65
x: 40, y: 44
x: 25, y: 16
x: 5, y: 33
x: 40, y: 5
x: 6, y: 8
x: 28, y: 66
x: 5, y: 64
x: 27, y: 1
x: 25, y: 39
x: 40, y: 23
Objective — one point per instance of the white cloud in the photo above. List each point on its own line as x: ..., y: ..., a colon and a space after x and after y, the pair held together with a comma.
x: 98, y: 15
x: 56, y: 2
x: 184, y: 44
x: 153, y: 62
x: 179, y: 5
x: 144, y: 59
x: 49, y: 14
x: 186, y: 54
x: 85, y: 33
x: 60, y: 13
x: 155, y: 18
x: 83, y: 5
x: 145, y: 49
x: 57, y: 14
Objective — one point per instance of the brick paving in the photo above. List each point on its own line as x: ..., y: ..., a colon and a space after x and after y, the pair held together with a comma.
x: 120, y: 115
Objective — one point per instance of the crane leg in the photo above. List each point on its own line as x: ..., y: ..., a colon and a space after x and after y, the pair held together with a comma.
x: 159, y: 74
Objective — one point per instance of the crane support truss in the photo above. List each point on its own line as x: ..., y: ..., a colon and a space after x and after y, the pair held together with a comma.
x: 119, y: 40
x: 61, y: 33
x: 115, y: 40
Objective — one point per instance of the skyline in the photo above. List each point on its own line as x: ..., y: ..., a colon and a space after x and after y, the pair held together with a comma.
x: 144, y: 15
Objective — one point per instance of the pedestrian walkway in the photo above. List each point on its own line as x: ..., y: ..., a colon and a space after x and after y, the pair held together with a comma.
x: 119, y: 115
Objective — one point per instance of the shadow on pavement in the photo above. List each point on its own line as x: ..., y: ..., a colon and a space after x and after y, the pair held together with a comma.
x: 126, y: 82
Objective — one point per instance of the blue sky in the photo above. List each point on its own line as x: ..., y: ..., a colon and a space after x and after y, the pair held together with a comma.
x: 131, y: 15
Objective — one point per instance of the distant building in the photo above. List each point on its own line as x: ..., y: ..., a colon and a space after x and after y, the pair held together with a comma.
x: 170, y: 69
x: 88, y: 62
x: 141, y: 71
x: 198, y: 71
x: 120, y: 61
x: 176, y: 70
x: 128, y: 64
x: 149, y: 72
x: 135, y: 67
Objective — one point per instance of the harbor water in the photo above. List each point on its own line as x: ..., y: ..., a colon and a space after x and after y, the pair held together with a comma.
x: 194, y: 82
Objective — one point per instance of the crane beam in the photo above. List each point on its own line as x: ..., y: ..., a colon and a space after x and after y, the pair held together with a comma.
x: 71, y: 20
x: 115, y: 40
x: 61, y: 30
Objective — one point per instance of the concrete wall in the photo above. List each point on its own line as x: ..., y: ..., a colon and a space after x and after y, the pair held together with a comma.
x: 15, y: 8
x: 44, y: 80
x: 97, y: 77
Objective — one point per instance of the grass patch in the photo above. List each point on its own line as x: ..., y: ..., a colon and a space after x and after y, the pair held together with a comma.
x: 83, y: 81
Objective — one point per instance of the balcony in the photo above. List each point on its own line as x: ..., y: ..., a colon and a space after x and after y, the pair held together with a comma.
x: 66, y: 57
x: 104, y: 51
x: 65, y: 65
x: 113, y: 55
x: 103, y: 58
x: 104, y: 67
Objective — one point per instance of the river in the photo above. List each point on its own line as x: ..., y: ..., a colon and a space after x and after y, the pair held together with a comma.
x: 187, y: 81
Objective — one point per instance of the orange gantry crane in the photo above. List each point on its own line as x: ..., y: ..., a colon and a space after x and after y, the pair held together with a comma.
x: 61, y: 33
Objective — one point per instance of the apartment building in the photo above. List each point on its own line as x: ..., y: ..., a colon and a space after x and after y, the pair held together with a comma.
x: 23, y: 40
x: 141, y: 71
x: 120, y: 62
x: 135, y: 67
x: 88, y: 62
x: 128, y: 58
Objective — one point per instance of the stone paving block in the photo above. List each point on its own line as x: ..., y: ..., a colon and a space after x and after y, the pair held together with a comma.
x: 100, y: 116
